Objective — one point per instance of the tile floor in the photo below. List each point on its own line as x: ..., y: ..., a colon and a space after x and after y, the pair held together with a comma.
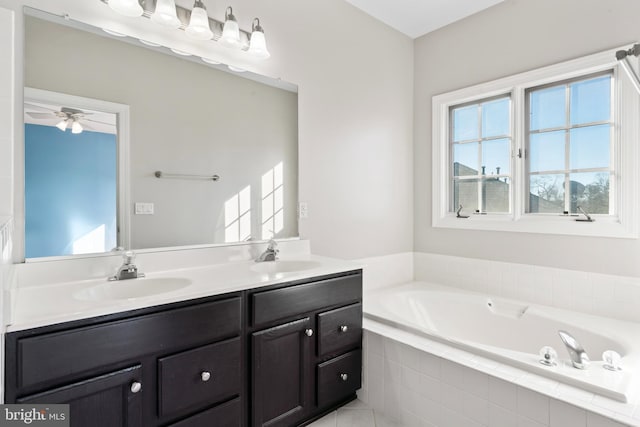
x: 354, y: 414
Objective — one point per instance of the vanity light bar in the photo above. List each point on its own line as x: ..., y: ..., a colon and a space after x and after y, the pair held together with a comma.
x: 184, y: 16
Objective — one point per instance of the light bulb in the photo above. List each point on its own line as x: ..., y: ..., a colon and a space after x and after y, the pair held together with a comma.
x: 231, y: 30
x: 113, y: 33
x: 165, y: 14
x: 258, y: 44
x: 210, y: 61
x: 129, y: 8
x: 62, y: 125
x: 76, y: 127
x: 198, y: 28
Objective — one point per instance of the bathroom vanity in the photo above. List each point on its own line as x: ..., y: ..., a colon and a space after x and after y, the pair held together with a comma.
x: 277, y: 355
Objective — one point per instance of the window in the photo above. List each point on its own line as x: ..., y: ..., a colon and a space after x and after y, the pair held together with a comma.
x: 481, y: 153
x: 569, y: 145
x: 532, y: 151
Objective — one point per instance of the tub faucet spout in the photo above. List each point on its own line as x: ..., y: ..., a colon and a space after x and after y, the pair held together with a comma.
x: 579, y: 357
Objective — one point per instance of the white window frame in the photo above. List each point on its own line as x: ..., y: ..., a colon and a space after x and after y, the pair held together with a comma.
x: 624, y: 224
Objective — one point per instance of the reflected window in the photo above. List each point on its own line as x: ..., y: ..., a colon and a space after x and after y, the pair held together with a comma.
x: 237, y: 216
x: 273, y: 201
x: 570, y: 139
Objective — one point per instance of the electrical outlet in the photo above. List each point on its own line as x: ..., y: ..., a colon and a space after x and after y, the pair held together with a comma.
x: 143, y: 208
x: 303, y: 210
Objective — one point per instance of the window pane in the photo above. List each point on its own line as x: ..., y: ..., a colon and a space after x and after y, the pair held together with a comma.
x: 465, y: 123
x: 465, y: 193
x: 546, y: 193
x: 546, y: 151
x: 495, y: 118
x: 590, y: 190
x: 465, y: 159
x: 591, y: 100
x: 495, y: 193
x: 547, y: 108
x: 590, y: 147
x: 496, y: 156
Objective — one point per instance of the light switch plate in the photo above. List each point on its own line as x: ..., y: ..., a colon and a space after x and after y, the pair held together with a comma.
x: 143, y: 208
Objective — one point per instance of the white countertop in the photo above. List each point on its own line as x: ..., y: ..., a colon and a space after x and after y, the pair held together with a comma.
x: 36, y: 306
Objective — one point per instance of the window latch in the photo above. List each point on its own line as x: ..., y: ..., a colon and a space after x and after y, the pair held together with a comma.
x: 519, y: 153
x: 458, y: 213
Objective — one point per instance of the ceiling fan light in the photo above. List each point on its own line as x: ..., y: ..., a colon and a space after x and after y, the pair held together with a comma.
x: 231, y: 30
x: 129, y: 8
x: 62, y: 125
x: 165, y: 14
x: 199, y: 28
x: 76, y: 127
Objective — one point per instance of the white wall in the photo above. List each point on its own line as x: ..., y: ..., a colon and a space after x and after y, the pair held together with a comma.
x: 512, y: 37
x: 355, y: 80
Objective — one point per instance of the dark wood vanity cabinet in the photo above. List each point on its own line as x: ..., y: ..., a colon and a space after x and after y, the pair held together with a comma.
x: 149, y: 367
x: 305, y: 347
x: 279, y: 356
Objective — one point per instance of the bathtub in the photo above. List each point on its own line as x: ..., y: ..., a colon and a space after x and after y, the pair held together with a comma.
x: 513, y: 332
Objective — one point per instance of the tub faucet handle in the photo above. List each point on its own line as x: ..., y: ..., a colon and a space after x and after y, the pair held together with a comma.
x: 611, y: 360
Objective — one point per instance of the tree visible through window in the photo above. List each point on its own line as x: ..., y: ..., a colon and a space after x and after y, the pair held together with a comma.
x: 569, y: 145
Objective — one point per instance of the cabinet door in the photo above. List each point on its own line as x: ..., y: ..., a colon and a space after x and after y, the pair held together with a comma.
x: 106, y: 401
x: 281, y: 373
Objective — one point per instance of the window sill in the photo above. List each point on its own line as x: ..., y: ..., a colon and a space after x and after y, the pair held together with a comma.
x: 561, y: 225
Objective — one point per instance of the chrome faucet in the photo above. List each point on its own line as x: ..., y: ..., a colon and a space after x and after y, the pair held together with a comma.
x: 579, y: 357
x: 270, y: 254
x: 128, y: 269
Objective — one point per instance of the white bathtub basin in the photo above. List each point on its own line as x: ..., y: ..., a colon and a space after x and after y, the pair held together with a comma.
x: 133, y: 288
x: 514, y: 332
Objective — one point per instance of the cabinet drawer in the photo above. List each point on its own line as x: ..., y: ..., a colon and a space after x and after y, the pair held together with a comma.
x: 338, y: 378
x: 183, y: 381
x: 225, y: 415
x: 281, y: 303
x: 76, y: 352
x: 339, y: 329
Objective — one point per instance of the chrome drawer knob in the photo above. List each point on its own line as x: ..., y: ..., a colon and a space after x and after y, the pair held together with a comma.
x: 344, y: 377
x: 136, y: 387
x: 344, y: 328
x: 309, y: 332
x: 206, y: 376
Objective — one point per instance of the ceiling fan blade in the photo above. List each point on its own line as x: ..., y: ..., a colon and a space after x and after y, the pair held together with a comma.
x: 42, y: 115
x: 38, y: 107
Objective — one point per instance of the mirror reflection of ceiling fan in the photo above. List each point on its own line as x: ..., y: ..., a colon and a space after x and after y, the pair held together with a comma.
x: 66, y: 118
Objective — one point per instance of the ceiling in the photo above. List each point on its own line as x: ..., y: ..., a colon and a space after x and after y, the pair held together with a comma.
x: 418, y: 17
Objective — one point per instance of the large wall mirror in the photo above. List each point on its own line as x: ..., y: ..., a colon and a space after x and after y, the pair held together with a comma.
x: 209, y: 157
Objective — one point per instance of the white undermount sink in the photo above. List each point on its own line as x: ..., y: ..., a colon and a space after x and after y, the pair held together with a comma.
x: 132, y: 288
x: 272, y: 267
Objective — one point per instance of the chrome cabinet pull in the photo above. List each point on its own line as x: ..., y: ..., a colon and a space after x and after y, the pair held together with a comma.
x: 344, y: 328
x: 206, y: 376
x: 344, y: 377
x: 309, y: 332
x: 136, y: 387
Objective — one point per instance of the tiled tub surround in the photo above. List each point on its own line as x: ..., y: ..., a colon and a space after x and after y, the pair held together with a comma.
x: 429, y: 384
x: 47, y: 292
x: 395, y: 381
x: 513, y: 332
